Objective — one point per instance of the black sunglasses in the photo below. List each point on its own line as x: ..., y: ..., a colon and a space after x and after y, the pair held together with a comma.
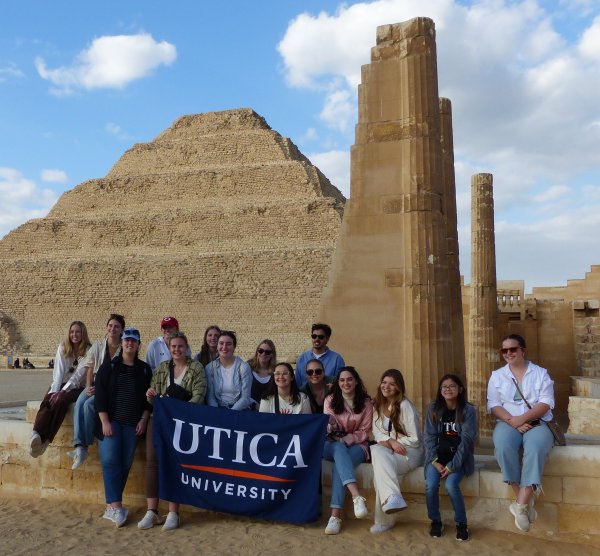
x: 262, y: 351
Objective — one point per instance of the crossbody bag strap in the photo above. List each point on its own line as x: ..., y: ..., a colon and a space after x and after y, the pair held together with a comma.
x: 171, y: 372
x: 522, y: 396
x: 277, y: 403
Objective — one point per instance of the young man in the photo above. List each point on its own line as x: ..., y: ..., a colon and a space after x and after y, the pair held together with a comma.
x: 332, y: 361
x: 158, y: 349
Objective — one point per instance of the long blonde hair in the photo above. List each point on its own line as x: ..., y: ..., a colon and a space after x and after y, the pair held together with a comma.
x: 69, y: 348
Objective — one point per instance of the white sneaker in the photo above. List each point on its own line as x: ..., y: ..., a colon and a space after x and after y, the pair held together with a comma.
x: 394, y: 503
x: 360, y: 508
x: 531, y: 511
x: 44, y: 446
x: 333, y: 526
x: 379, y: 528
x: 521, y: 516
x: 35, y: 445
x: 120, y: 516
x: 81, y: 454
x: 172, y: 521
x: 109, y: 514
x: 149, y: 520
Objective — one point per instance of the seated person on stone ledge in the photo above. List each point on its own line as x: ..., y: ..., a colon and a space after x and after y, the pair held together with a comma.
x: 262, y: 365
x: 84, y: 414
x: 317, y: 386
x: 521, y: 397
x: 282, y: 395
x: 56, y: 402
x: 208, y: 352
x: 229, y: 376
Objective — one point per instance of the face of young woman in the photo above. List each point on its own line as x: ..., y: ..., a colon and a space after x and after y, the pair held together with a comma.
x: 225, y: 346
x: 315, y: 373
x: 264, y: 358
x: 114, y: 329
x: 512, y: 352
x: 282, y: 376
x: 450, y: 390
x: 178, y: 349
x: 347, y: 383
x: 129, y: 346
x: 212, y: 338
x: 75, y: 334
x: 388, y: 387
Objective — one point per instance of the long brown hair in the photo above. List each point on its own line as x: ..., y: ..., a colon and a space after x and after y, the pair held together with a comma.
x: 382, y: 403
x: 204, y: 355
x: 360, y: 393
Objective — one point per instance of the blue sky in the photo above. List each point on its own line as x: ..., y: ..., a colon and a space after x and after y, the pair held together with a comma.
x: 81, y: 82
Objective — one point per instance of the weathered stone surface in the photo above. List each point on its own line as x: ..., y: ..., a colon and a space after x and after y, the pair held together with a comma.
x: 218, y: 220
x: 584, y: 415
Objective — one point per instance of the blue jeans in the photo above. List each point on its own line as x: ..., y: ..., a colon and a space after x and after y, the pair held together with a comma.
x: 432, y: 491
x: 116, y: 455
x: 344, y: 459
x: 534, y: 445
x: 84, y: 418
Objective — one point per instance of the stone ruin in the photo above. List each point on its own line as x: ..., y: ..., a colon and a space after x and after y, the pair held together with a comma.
x: 218, y: 220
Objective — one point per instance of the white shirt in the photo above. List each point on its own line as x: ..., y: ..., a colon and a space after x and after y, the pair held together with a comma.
x: 158, y: 351
x: 268, y: 405
x: 537, y: 387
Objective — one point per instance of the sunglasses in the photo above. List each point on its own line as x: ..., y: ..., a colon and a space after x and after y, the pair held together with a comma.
x: 316, y: 372
x: 317, y: 336
x: 73, y: 366
x: 262, y: 351
x: 504, y: 351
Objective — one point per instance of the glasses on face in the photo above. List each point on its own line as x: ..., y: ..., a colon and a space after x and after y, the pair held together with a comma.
x: 262, y: 351
x: 317, y: 336
x: 280, y: 375
x: 504, y: 351
x: 449, y: 387
x: 316, y: 372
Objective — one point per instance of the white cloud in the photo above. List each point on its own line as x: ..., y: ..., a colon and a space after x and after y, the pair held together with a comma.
x: 339, y: 110
x: 54, y: 176
x: 117, y: 131
x: 10, y: 72
x: 336, y: 166
x: 110, y: 62
x: 552, y: 194
x: 21, y: 200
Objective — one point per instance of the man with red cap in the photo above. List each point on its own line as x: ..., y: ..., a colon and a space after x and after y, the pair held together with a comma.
x: 158, y: 349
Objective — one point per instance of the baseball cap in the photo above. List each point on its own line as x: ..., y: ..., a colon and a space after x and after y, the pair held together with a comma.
x: 169, y: 321
x: 133, y: 333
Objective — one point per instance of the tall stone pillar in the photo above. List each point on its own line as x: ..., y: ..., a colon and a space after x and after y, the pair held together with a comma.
x: 388, y: 297
x: 449, y: 209
x: 483, y: 355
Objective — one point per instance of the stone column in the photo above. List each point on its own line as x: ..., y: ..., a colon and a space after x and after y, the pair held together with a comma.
x: 449, y: 209
x: 388, y: 297
x: 483, y: 355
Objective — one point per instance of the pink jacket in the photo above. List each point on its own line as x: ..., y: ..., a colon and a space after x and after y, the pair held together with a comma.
x: 357, y: 426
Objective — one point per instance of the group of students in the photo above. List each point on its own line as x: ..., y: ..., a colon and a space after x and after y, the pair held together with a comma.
x: 113, y: 391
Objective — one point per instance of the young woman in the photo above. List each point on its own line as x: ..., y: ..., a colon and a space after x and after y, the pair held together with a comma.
x: 190, y: 379
x: 398, y: 450
x: 84, y: 414
x: 350, y: 413
x: 262, y: 365
x: 63, y: 392
x: 282, y: 395
x: 208, y: 352
x: 123, y: 412
x: 317, y: 386
x: 229, y: 376
x: 521, y: 397
x: 449, y: 438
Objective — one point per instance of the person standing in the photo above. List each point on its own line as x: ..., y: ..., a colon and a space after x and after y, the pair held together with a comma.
x: 158, y: 349
x: 332, y: 361
x: 208, y: 352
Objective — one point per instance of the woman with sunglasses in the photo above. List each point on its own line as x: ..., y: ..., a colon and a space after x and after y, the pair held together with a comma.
x: 229, y: 376
x: 399, y: 449
x: 449, y: 438
x: 262, y: 365
x: 179, y: 378
x: 521, y: 397
x: 282, y: 395
x: 350, y: 413
x: 123, y: 412
x: 62, y: 392
x: 317, y: 386
x: 208, y: 352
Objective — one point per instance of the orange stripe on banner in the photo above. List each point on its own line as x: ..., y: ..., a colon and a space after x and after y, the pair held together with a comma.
x: 235, y: 473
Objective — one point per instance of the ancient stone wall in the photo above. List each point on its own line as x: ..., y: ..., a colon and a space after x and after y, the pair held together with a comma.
x: 218, y: 220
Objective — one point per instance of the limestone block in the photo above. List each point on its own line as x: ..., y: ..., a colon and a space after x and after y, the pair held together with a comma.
x: 492, y: 486
x: 585, y: 386
x: 579, y: 519
x: 582, y: 490
x: 15, y: 433
x: 21, y: 478
x: 583, y: 415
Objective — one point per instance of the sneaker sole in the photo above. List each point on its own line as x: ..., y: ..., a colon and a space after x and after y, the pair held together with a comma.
x: 517, y: 521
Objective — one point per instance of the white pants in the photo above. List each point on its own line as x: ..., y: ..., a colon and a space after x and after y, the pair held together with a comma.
x: 388, y: 470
